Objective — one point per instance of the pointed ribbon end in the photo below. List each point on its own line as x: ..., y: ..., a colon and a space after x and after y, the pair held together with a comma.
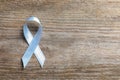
x: 24, y: 63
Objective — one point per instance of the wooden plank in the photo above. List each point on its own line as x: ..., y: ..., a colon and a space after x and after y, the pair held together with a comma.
x: 81, y: 39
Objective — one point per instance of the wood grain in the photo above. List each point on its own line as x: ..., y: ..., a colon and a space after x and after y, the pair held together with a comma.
x: 81, y: 39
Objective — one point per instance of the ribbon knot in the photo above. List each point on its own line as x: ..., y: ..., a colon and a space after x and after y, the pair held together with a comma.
x: 33, y: 43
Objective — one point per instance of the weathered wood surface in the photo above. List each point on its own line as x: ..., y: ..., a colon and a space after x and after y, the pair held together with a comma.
x: 81, y: 39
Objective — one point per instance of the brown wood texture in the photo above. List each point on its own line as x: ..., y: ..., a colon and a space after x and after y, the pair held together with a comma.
x: 81, y: 39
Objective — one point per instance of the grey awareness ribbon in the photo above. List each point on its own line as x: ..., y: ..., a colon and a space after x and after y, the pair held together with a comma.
x: 33, y: 43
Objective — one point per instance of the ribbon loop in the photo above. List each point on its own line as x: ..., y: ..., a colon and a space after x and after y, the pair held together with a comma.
x: 33, y: 43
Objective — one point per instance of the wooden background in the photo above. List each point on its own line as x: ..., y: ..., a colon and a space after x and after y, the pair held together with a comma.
x: 81, y: 39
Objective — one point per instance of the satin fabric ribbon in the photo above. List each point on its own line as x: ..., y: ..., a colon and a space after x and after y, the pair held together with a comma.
x: 33, y: 42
